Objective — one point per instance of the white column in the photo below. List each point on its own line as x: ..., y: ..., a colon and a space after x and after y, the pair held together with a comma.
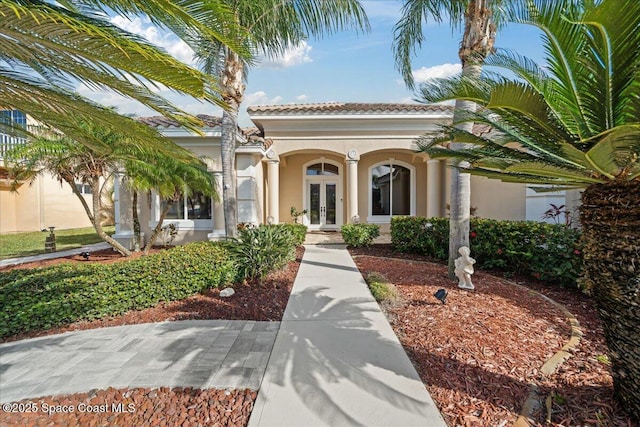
x: 116, y: 201
x: 218, y: 209
x: 122, y: 199
x: 273, y: 171
x: 352, y: 190
x: 434, y: 188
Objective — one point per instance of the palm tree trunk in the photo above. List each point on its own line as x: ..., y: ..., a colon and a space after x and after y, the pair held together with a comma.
x: 610, y: 217
x: 95, y: 190
x: 136, y: 221
x: 228, y: 149
x: 95, y: 196
x: 477, y: 42
x: 232, y: 82
x: 157, y: 229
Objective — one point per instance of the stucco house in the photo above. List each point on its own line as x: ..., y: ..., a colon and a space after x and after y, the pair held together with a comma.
x: 42, y: 203
x: 339, y: 162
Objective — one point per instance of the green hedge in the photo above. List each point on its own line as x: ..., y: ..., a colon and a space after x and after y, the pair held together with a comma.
x: 547, y: 251
x: 358, y: 235
x: 47, y: 297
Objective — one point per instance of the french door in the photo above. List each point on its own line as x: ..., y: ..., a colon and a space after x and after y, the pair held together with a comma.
x: 321, y: 204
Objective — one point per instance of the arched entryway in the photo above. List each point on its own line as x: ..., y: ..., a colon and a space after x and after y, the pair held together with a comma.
x: 322, y: 194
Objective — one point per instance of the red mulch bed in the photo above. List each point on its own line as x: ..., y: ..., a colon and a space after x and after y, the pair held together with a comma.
x: 479, y: 353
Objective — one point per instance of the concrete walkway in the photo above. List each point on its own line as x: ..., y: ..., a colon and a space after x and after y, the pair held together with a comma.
x: 193, y: 353
x: 336, y: 361
x: 52, y: 255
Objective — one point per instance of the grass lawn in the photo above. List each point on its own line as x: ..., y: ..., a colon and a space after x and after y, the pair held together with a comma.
x: 32, y: 243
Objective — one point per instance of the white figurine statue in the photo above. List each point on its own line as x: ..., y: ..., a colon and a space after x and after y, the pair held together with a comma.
x: 464, y: 268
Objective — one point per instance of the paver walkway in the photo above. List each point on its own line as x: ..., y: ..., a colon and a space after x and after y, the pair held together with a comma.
x: 336, y: 361
x: 195, y: 353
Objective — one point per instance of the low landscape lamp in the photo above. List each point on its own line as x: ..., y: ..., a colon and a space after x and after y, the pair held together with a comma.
x: 85, y: 255
x: 441, y: 295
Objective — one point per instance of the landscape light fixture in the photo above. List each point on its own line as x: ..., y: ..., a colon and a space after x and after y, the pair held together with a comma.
x: 85, y: 255
x: 441, y: 295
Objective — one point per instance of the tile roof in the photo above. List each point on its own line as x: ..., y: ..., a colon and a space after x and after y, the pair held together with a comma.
x: 161, y: 121
x: 347, y: 107
x: 252, y: 134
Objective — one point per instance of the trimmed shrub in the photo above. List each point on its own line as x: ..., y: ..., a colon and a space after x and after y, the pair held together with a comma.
x: 46, y: 297
x: 357, y: 235
x: 549, y: 252
x: 258, y: 250
x: 298, y: 232
x: 421, y: 235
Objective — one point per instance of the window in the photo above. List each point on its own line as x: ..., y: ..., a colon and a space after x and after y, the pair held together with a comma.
x: 191, y: 207
x: 83, y: 188
x: 322, y: 169
x: 13, y: 117
x: 392, y: 191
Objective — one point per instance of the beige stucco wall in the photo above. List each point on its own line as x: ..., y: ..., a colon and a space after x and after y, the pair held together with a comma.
x: 498, y: 200
x: 292, y: 182
x: 43, y: 203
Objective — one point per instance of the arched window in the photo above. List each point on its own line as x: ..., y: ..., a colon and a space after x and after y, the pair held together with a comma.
x: 392, y: 190
x: 322, y: 168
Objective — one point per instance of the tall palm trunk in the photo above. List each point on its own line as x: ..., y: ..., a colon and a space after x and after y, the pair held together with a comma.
x: 610, y: 217
x: 136, y: 221
x: 477, y: 42
x: 233, y: 92
x: 157, y: 230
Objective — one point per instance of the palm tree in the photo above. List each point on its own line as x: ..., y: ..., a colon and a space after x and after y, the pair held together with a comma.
x: 478, y: 17
x: 274, y: 26
x: 171, y: 179
x: 573, y: 122
x: 70, y: 162
x: 48, y: 47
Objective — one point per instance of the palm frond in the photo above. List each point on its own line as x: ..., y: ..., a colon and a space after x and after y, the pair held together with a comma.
x: 408, y: 32
x: 617, y: 152
x: 212, y: 19
x: 61, y: 111
x: 542, y: 169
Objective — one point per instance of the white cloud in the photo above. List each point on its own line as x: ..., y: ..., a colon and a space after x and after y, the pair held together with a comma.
x: 297, y: 55
x: 260, y: 98
x: 439, y: 71
x: 302, y: 97
x: 143, y: 27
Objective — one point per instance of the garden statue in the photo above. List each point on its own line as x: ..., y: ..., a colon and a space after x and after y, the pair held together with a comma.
x: 464, y: 268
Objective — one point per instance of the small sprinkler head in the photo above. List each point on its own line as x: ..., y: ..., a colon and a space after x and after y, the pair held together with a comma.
x: 441, y: 295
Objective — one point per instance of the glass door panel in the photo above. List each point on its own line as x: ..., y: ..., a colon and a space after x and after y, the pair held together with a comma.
x: 330, y: 203
x: 314, y: 203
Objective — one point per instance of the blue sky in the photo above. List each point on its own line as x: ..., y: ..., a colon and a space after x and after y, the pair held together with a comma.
x: 343, y: 67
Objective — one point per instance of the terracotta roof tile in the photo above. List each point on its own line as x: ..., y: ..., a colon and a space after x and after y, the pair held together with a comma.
x: 161, y: 121
x: 347, y: 107
x: 252, y: 134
